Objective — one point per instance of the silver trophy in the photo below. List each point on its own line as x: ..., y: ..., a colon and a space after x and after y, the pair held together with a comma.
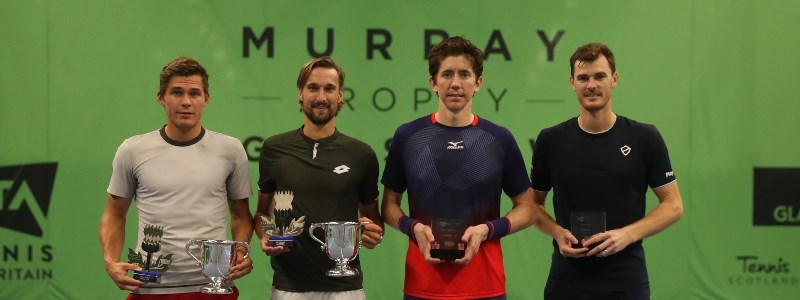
x: 218, y: 257
x: 342, y: 241
x: 282, y: 228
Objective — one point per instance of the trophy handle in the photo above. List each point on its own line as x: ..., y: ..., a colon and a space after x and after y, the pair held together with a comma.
x: 198, y: 243
x: 360, y: 231
x: 246, y: 245
x: 311, y: 232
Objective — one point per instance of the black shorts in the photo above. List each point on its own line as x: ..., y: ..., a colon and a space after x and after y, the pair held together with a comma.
x: 552, y: 293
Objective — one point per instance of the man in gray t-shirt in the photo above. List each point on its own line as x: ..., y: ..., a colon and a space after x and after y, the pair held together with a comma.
x: 184, y: 179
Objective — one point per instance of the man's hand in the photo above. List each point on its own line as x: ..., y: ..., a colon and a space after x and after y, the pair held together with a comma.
x: 371, y: 235
x: 119, y: 274
x: 243, y: 266
x: 424, y: 236
x: 473, y: 237
x: 609, y: 242
x: 565, y: 240
x: 271, y: 251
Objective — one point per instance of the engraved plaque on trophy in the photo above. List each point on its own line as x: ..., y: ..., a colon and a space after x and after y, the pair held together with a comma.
x: 282, y: 229
x: 447, y: 235
x: 150, y: 244
x: 584, y: 224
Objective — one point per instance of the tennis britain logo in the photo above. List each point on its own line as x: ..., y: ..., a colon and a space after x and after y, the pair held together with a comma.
x: 26, y: 191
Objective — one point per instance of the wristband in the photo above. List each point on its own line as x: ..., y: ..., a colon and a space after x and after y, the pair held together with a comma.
x: 406, y: 226
x: 498, y: 228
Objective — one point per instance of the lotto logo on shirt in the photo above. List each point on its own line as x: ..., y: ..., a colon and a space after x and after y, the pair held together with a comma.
x: 776, y: 201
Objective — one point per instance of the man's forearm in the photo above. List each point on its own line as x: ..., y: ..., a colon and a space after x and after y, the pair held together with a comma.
x: 112, y: 236
x: 521, y: 215
x: 390, y: 208
x: 241, y: 221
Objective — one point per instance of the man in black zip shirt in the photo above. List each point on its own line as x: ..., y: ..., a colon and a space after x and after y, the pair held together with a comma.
x: 317, y: 174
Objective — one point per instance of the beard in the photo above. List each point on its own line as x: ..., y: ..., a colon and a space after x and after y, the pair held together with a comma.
x: 323, y: 118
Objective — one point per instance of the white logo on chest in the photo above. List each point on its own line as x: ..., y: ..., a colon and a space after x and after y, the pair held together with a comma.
x: 455, y: 145
x: 341, y: 169
x: 625, y: 150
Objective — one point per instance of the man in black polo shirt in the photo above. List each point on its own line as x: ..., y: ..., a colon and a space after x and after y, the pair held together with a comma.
x: 599, y: 166
x: 317, y: 174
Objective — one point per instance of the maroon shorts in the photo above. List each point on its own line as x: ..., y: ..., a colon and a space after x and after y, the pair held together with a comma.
x: 185, y: 296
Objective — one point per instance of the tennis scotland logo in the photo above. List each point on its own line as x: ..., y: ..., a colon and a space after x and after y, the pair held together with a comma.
x: 25, y: 192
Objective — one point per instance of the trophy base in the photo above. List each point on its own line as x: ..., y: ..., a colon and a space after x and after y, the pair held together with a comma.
x: 341, y: 272
x: 216, y: 290
x: 284, y: 241
x: 447, y: 254
x: 145, y: 276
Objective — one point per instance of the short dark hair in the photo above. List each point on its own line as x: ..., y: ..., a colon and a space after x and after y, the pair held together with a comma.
x: 589, y: 53
x: 455, y: 46
x: 319, y: 62
x: 181, y: 66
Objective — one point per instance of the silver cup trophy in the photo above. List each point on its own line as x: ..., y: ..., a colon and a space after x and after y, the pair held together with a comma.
x: 217, y: 258
x: 342, y: 241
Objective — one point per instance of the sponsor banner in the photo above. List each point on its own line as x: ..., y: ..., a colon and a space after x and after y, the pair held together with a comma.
x: 776, y: 199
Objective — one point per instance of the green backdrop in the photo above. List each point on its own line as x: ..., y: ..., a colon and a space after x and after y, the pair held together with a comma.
x: 716, y: 77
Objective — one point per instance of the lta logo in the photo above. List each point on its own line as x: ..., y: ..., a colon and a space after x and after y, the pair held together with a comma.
x: 25, y: 192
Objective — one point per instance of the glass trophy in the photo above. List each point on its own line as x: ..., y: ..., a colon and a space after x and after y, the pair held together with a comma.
x: 151, y: 243
x: 584, y: 224
x: 447, y: 235
x: 281, y: 228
